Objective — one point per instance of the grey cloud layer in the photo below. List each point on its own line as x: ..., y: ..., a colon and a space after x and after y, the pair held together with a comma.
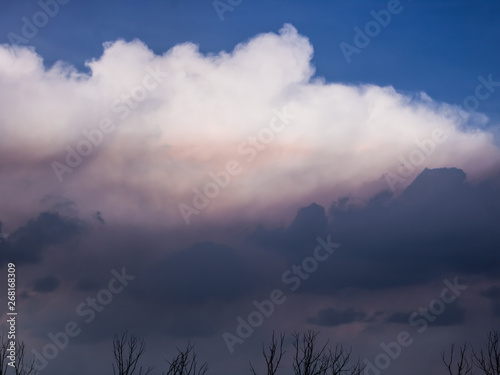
x: 440, y: 226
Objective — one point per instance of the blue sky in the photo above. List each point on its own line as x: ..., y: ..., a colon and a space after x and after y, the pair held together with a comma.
x: 439, y: 47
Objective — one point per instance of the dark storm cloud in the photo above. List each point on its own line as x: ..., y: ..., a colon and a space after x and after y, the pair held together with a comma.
x: 3, y: 241
x: 295, y: 240
x: 46, y: 284
x: 62, y: 205
x: 27, y: 244
x: 440, y: 224
x: 453, y: 314
x: 87, y: 286
x: 493, y: 294
x: 193, y: 323
x: 399, y: 317
x: 332, y: 317
x: 98, y: 216
x: 439, y: 219
x: 206, y: 271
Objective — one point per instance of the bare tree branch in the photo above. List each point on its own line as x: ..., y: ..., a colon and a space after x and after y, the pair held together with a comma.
x: 489, y: 361
x: 340, y: 359
x: 3, y: 355
x: 21, y: 367
x: 273, y: 355
x: 309, y: 359
x: 462, y: 366
x: 186, y: 363
x: 127, y: 351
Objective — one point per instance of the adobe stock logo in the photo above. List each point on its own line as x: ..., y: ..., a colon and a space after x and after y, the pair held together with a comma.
x: 223, y: 6
x: 89, y: 309
x: 424, y: 148
x: 363, y: 38
x: 483, y: 91
x: 40, y: 19
x: 293, y: 277
x: 122, y: 107
x: 249, y: 148
x: 420, y: 319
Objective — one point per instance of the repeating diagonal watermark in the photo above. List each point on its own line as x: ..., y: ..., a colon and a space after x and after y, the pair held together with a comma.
x: 223, y: 6
x: 38, y: 20
x: 363, y: 37
x: 424, y: 148
x: 122, y: 107
x: 292, y: 277
x: 483, y: 91
x: 202, y: 197
x: 88, y: 309
x: 419, y: 319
